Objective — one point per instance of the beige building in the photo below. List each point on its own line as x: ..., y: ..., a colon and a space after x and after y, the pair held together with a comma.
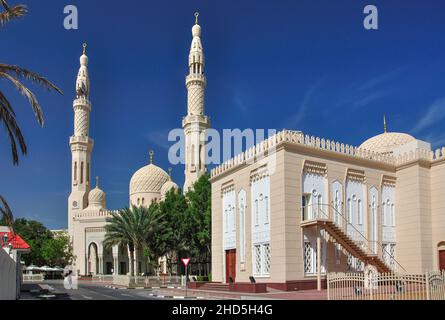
x: 294, y: 205
x: 87, y: 211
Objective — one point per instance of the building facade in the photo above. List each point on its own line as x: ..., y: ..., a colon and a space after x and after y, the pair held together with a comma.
x: 294, y: 207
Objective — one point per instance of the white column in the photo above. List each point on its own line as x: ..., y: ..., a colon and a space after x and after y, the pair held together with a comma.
x: 318, y: 261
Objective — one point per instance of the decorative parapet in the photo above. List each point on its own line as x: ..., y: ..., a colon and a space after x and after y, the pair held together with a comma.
x: 270, y: 144
x: 420, y: 155
x: 298, y: 138
x: 94, y: 214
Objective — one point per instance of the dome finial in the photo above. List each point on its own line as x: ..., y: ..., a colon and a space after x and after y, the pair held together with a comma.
x: 151, y: 153
x: 385, y: 128
x: 84, y: 48
x: 97, y: 182
x: 196, y: 17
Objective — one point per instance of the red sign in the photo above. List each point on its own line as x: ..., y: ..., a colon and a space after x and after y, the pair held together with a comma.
x: 185, y: 261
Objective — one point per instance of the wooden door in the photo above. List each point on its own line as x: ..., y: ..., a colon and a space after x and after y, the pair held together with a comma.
x: 230, y: 265
x: 442, y: 260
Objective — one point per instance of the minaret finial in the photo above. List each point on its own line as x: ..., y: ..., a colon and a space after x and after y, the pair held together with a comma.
x: 97, y: 182
x: 385, y: 128
x: 151, y: 153
x: 84, y: 49
x: 196, y: 17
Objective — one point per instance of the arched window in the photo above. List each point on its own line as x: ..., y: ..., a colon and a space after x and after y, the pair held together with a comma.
x: 193, y: 155
x: 383, y: 214
x: 88, y: 173
x: 393, y: 216
x: 242, y: 230
x: 320, y: 205
x: 256, y: 213
x: 349, y: 210
x: 266, y: 210
x: 233, y: 219
x: 360, y: 212
x: 81, y: 172
x: 143, y: 201
x: 226, y: 222
x: 75, y: 171
x: 138, y: 201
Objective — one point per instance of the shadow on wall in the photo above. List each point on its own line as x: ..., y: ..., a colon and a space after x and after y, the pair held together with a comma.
x: 8, y: 277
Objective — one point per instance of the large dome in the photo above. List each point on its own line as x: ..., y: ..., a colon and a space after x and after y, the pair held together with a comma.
x: 386, y: 142
x: 148, y: 179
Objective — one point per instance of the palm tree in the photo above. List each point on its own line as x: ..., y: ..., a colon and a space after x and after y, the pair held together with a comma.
x: 131, y: 228
x: 15, y: 74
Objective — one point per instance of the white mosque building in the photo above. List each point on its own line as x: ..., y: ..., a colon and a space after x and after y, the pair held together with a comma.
x: 87, y: 210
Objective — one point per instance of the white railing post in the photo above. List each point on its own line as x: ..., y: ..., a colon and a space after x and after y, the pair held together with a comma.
x: 427, y: 286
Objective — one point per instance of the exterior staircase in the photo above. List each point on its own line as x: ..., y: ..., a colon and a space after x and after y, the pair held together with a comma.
x: 354, y: 247
x: 348, y: 244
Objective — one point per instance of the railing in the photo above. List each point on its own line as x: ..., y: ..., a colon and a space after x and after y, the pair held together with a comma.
x: 33, y: 277
x: 102, y: 278
x: 147, y: 282
x: 322, y: 211
x: 386, y: 286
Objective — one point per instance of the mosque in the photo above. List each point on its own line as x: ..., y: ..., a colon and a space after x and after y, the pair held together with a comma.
x: 87, y: 211
x: 288, y: 210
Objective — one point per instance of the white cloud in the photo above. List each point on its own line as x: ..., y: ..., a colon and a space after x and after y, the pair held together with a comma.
x: 434, y: 113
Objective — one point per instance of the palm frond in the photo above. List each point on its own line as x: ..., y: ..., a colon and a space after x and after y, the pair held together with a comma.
x: 29, y: 75
x: 28, y: 94
x: 5, y: 210
x: 7, y: 116
x: 11, y: 12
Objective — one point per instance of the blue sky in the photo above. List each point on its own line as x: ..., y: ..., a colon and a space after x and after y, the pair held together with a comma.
x: 306, y: 65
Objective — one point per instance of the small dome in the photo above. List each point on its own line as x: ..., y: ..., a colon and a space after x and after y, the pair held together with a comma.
x: 150, y: 178
x: 167, y: 187
x: 96, y: 198
x: 386, y: 142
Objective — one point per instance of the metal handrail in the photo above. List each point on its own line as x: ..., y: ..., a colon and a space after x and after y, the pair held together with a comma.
x: 365, y: 242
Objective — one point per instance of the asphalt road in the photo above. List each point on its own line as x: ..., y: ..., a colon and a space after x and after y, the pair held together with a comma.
x: 90, y: 291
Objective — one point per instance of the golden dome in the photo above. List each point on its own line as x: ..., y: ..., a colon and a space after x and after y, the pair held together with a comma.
x: 150, y: 178
x: 386, y: 142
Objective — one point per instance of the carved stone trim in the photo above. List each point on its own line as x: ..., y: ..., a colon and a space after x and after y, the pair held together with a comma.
x: 356, y: 175
x: 315, y: 168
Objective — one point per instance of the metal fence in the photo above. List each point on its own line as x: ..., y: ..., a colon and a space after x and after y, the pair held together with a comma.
x: 141, y: 281
x: 386, y: 286
x: 33, y: 277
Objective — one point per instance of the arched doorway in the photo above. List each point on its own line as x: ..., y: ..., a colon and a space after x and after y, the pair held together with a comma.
x: 441, y: 253
x: 93, y: 259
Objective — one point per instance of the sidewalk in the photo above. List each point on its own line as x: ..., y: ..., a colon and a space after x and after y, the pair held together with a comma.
x: 270, y: 295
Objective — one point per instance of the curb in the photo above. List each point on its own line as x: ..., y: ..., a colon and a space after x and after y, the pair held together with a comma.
x: 175, y: 297
x: 139, y: 288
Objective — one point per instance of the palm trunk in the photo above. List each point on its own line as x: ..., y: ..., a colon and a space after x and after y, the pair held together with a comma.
x: 131, y: 261
x: 136, y: 273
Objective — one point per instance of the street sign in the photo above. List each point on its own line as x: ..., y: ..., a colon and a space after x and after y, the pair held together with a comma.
x: 185, y: 261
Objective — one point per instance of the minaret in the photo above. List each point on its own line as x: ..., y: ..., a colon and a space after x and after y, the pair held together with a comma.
x: 195, y: 123
x: 81, y: 144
